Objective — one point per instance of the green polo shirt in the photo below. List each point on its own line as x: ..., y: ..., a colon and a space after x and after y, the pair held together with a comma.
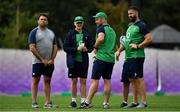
x: 106, y: 50
x: 134, y: 35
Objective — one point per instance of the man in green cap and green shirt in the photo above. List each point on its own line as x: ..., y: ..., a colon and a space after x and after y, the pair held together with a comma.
x: 137, y: 37
x: 77, y: 45
x: 104, y: 49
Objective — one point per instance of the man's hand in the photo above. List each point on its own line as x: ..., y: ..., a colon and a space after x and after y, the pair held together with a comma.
x: 80, y: 47
x: 45, y: 62
x: 94, y: 51
x: 84, y: 49
x: 133, y: 46
x: 50, y: 62
x: 117, y: 54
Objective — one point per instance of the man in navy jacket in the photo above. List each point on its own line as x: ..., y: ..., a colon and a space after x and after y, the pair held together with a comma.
x: 77, y: 45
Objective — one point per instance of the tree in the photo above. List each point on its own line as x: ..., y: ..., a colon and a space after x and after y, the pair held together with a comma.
x: 157, y: 12
x: 117, y: 15
x: 61, y: 15
x: 18, y: 17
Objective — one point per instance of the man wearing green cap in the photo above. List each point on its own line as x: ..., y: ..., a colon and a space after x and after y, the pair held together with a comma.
x: 104, y: 49
x: 77, y: 45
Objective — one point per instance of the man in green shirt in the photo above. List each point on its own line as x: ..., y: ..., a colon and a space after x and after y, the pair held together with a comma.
x: 137, y: 37
x: 104, y: 49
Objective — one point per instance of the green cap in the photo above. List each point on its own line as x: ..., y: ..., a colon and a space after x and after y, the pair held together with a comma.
x: 78, y: 19
x: 100, y: 15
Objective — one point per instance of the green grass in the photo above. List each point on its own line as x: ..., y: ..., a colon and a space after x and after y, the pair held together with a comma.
x: 23, y: 103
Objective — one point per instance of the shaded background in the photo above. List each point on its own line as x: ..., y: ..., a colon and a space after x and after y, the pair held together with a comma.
x: 18, y: 18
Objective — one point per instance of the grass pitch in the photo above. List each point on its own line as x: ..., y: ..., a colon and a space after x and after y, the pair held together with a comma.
x: 23, y: 103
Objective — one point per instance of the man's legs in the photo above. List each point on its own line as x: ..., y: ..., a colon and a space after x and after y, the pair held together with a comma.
x: 135, y: 87
x: 83, y: 89
x: 92, y: 90
x: 47, y: 92
x: 47, y: 89
x: 34, y: 88
x: 141, y: 83
x: 125, y: 84
x: 107, y: 90
x: 142, y: 90
x: 74, y: 87
x: 125, y: 90
x: 73, y: 92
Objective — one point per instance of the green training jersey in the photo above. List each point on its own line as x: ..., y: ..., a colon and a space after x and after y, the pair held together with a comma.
x: 134, y: 35
x: 106, y: 50
x: 79, y: 40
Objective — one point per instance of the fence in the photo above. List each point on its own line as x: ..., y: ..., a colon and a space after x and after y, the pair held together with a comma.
x: 15, y: 72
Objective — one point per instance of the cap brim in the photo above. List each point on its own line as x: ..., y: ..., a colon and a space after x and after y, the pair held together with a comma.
x: 78, y: 21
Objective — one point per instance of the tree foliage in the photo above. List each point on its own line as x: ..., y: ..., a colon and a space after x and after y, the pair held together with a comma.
x: 18, y: 17
x: 157, y: 12
x: 61, y: 16
x: 117, y: 15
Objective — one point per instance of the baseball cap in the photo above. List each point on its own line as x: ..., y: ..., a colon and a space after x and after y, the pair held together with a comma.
x: 100, y: 15
x: 78, y: 19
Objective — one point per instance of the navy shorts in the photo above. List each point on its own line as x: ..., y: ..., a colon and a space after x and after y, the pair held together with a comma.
x: 77, y: 71
x: 102, y: 68
x: 132, y: 68
x: 39, y: 69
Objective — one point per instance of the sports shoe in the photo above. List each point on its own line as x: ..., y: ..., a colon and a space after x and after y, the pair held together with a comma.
x: 131, y: 105
x: 50, y: 105
x: 86, y: 105
x: 123, y: 104
x: 82, y: 104
x: 106, y: 105
x: 142, y: 105
x: 35, y: 105
x: 73, y: 104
